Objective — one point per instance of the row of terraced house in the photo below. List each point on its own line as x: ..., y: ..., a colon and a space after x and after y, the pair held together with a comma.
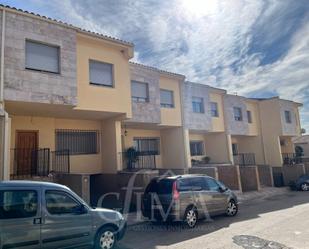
x: 73, y: 103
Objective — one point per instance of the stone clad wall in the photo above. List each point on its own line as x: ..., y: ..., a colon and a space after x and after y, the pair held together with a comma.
x: 196, y: 121
x: 32, y: 86
x: 149, y: 112
x: 235, y: 127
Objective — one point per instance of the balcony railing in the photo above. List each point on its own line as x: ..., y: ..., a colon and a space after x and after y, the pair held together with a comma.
x: 291, y: 158
x: 139, y: 160
x: 244, y: 159
x: 28, y: 163
x: 60, y: 161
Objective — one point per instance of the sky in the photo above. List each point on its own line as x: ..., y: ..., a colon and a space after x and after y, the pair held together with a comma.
x: 255, y: 48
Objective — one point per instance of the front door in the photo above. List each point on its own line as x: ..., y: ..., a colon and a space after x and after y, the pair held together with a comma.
x: 26, y: 147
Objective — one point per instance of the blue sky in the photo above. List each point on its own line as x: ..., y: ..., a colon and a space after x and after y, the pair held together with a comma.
x: 255, y: 48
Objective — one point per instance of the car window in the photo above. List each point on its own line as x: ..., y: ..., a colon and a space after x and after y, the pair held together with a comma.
x: 58, y: 202
x: 184, y: 185
x: 222, y: 185
x: 164, y: 186
x: 15, y: 204
x: 198, y: 182
x: 212, y: 184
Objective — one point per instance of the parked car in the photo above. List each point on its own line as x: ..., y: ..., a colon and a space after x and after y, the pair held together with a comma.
x: 302, y: 183
x: 187, y: 198
x: 47, y: 215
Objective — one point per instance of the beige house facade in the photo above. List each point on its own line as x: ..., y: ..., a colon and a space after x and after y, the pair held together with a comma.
x: 74, y: 103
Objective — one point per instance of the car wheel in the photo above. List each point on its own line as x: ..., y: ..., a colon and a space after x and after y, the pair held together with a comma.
x: 304, y: 186
x: 106, y: 238
x: 232, y: 208
x: 190, y: 217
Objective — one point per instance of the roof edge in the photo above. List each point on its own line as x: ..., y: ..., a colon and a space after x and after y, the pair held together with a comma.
x: 66, y: 25
x: 180, y: 76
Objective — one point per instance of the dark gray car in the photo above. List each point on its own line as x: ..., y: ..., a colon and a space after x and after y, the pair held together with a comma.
x: 47, y: 215
x: 187, y: 198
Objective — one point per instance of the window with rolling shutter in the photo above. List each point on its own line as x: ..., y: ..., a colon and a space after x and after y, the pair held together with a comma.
x: 42, y: 57
x: 101, y: 73
x: 166, y: 98
x: 139, y: 91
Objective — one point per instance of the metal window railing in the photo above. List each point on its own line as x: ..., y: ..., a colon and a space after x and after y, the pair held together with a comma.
x: 291, y: 158
x: 140, y: 160
x: 244, y: 159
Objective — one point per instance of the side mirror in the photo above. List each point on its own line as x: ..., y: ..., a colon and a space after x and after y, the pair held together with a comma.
x: 221, y: 190
x: 81, y: 209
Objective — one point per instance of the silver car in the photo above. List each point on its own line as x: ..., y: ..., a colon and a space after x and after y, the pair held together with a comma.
x: 187, y: 198
x: 47, y: 215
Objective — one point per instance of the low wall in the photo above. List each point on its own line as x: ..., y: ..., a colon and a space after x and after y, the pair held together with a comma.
x: 265, y: 175
x: 113, y: 186
x: 307, y: 168
x: 79, y: 183
x: 171, y: 171
x: 249, y: 176
x: 230, y: 176
x: 210, y: 171
x: 292, y: 172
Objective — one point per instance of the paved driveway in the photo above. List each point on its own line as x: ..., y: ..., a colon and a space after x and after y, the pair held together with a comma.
x: 274, y: 223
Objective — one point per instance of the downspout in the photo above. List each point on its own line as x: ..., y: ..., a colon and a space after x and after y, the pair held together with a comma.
x: 186, y: 160
x: 5, y: 128
x: 2, y: 60
x: 262, y: 133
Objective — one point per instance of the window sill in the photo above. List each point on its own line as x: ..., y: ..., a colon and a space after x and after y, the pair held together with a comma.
x: 101, y: 85
x: 42, y: 71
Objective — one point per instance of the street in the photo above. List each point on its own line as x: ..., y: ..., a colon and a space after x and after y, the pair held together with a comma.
x: 275, y: 222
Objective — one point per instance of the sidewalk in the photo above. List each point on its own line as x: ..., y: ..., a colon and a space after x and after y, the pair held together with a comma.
x: 135, y: 218
x: 264, y: 193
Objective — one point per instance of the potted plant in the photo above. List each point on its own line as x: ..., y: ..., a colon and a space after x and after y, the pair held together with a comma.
x: 131, y: 155
x: 206, y: 159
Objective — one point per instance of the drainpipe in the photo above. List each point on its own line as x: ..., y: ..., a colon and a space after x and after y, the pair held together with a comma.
x: 4, y: 156
x: 181, y: 88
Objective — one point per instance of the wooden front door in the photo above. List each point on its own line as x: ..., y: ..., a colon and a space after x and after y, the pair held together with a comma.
x: 26, y: 148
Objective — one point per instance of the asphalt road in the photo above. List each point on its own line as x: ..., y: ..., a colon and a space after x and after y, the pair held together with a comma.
x: 280, y: 222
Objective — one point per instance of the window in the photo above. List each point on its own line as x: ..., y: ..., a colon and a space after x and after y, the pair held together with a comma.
x: 249, y: 116
x: 287, y: 115
x: 198, y: 182
x: 237, y: 114
x: 149, y: 146
x: 15, y: 204
x: 167, y: 98
x: 139, y: 91
x: 42, y: 57
x: 196, y: 148
x: 77, y: 141
x: 197, y: 105
x: 184, y: 185
x: 214, y: 109
x: 235, y: 149
x: 101, y: 73
x: 212, y: 184
x: 58, y: 202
